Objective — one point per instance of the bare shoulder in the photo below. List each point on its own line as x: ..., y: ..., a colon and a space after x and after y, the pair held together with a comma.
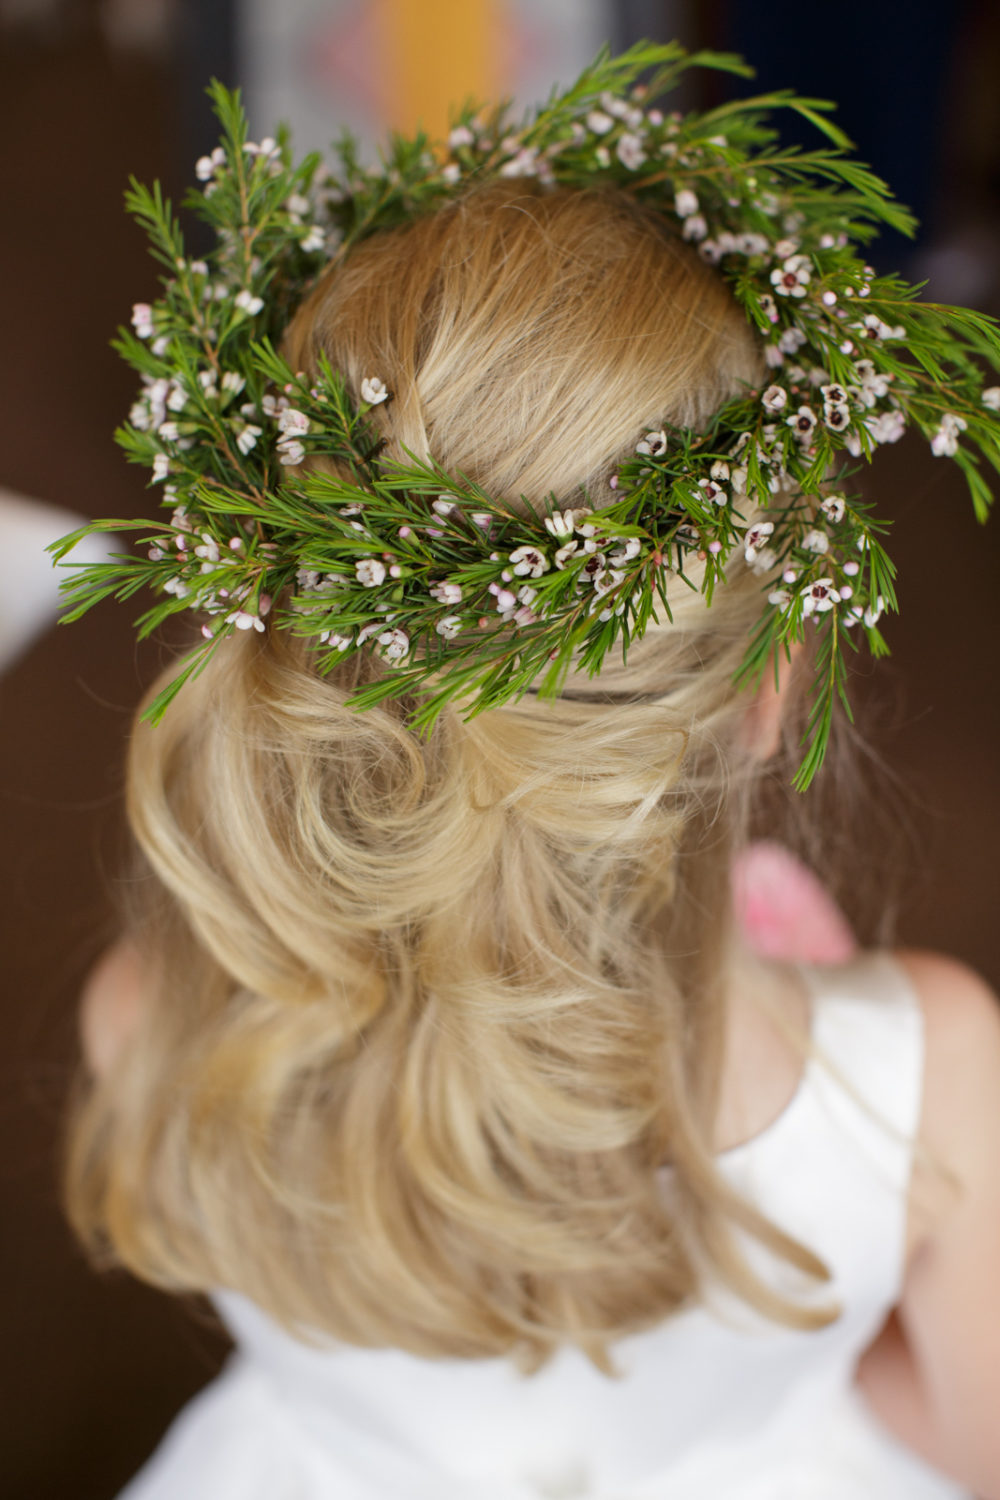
x: 961, y: 1021
x: 960, y: 1115
x: 111, y: 1004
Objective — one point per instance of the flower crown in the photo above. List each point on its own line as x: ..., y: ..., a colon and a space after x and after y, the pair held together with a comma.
x: 462, y: 594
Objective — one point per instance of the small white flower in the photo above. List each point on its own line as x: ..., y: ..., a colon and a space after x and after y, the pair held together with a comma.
x: 247, y: 437
x: 802, y: 422
x: 293, y: 423
x: 506, y: 600
x: 563, y: 523
x: 443, y: 506
x: 756, y: 536
x: 834, y: 395
x: 606, y: 580
x: 291, y: 451
x: 459, y: 136
x: 204, y: 169
x: 816, y: 541
x: 244, y: 620
x: 685, y: 203
x: 483, y: 519
x: 563, y: 556
x: 792, y: 277
x: 338, y: 642
x: 780, y: 598
x: 774, y: 399
x: 370, y: 572
x: 529, y: 562
x: 738, y: 480
x: 615, y: 106
x: 654, y: 444
x: 887, y: 427
x: 720, y: 471
x: 449, y: 627
x: 764, y: 561
x: 232, y: 382
x: 991, y: 397
x: 712, y: 491
x: 836, y: 417
x: 750, y: 243
x: 139, y: 416
x: 161, y: 345
x: 599, y: 122
x: 710, y: 252
x: 446, y: 593
x: 819, y: 596
x: 395, y: 644
x: 834, y: 507
x: 248, y: 303
x: 695, y: 227
x: 177, y: 400
x: 142, y: 319
x: 451, y: 172
x: 629, y: 547
x: 791, y: 340
x: 168, y: 432
x: 784, y: 248
x: 524, y: 164
x: 773, y: 357
x: 297, y: 205
x: 209, y: 548
x: 314, y: 241
x: 876, y: 329
x: 945, y: 440
x: 630, y: 151
x: 874, y: 612
x: 161, y: 467
x: 373, y: 390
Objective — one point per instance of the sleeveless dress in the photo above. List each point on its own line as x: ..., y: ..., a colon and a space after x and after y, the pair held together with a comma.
x: 715, y: 1403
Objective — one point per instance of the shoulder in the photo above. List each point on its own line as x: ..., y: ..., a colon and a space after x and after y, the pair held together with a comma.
x: 111, y: 1004
x: 961, y: 1027
x: 960, y: 1112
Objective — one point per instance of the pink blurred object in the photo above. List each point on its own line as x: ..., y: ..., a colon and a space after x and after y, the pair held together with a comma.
x: 784, y: 910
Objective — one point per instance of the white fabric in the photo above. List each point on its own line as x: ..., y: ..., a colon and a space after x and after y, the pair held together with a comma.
x: 714, y: 1404
x: 30, y: 598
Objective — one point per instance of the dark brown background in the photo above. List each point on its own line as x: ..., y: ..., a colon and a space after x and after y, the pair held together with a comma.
x: 93, y: 1368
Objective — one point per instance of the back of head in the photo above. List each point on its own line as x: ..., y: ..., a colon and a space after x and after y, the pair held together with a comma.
x: 434, y: 1011
x: 529, y: 337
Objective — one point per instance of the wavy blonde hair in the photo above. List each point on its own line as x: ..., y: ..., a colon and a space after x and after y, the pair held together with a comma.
x: 431, y: 1014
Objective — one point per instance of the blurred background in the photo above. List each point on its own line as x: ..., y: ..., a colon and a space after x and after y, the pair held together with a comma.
x: 93, y: 90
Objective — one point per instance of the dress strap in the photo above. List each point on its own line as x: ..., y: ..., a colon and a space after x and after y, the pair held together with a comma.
x: 868, y: 1056
x: 834, y: 1169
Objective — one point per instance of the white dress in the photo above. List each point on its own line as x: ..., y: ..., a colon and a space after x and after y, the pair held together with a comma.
x: 713, y: 1404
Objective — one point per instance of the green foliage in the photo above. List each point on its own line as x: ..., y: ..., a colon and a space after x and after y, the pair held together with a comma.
x: 280, y: 507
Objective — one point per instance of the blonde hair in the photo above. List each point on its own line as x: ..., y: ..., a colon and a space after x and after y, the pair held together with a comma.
x: 431, y: 1014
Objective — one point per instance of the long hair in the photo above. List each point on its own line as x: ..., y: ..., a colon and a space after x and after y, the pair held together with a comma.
x: 433, y: 1048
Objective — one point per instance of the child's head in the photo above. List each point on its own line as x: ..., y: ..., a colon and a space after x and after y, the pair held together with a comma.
x: 428, y: 1014
x: 531, y: 337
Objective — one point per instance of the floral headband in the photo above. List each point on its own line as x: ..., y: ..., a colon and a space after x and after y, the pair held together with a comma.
x: 463, y: 594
